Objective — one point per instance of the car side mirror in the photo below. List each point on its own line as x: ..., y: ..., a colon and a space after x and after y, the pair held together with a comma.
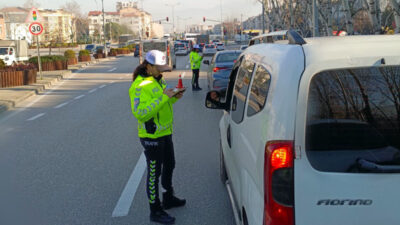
x: 206, y: 62
x: 213, y: 100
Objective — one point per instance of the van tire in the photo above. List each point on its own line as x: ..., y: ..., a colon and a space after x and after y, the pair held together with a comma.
x: 222, y: 170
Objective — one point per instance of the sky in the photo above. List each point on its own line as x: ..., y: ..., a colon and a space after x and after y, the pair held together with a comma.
x: 189, y: 11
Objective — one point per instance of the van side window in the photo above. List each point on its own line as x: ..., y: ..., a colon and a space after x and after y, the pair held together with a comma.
x: 353, y: 121
x: 259, y: 91
x: 240, y: 90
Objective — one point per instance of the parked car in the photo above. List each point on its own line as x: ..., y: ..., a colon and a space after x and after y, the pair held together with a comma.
x: 220, y: 68
x: 220, y: 47
x: 99, y: 47
x: 181, y: 49
x: 209, y: 49
x: 310, y: 133
x: 91, y: 48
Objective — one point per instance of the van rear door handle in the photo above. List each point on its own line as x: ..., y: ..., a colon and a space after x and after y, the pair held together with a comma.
x: 228, y: 135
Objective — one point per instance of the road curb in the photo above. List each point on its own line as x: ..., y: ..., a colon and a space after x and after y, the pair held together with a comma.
x: 30, y: 90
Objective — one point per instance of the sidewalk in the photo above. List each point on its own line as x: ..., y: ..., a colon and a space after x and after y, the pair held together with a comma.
x: 11, y: 96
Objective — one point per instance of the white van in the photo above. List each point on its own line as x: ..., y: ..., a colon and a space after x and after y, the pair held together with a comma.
x: 165, y: 46
x: 13, y: 51
x: 311, y: 132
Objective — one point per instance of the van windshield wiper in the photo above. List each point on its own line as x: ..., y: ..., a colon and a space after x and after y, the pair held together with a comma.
x: 367, y: 166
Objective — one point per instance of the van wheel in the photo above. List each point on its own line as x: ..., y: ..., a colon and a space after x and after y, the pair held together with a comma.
x: 222, y: 170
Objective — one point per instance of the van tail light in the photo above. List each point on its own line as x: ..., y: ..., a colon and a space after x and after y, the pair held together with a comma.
x: 216, y: 69
x: 278, y: 183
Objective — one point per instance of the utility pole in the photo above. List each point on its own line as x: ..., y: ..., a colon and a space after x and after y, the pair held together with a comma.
x: 263, y: 16
x: 173, y: 14
x: 104, y: 30
x: 222, y: 22
x: 315, y: 19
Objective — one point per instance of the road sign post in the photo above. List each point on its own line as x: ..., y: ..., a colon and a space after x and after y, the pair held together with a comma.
x: 36, y: 29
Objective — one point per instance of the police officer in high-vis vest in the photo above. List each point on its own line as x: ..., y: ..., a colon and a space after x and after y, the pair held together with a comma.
x: 195, y: 63
x: 152, y: 105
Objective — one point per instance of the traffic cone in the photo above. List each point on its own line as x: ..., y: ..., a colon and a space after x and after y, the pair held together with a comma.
x: 180, y: 84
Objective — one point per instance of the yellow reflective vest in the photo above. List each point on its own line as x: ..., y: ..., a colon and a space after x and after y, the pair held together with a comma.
x: 195, y: 60
x: 151, y: 107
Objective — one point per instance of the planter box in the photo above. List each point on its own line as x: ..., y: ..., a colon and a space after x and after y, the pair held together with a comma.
x: 30, y: 76
x: 11, y: 78
x: 61, y: 65
x: 72, y: 61
x: 85, y: 58
x: 122, y: 51
x: 113, y: 53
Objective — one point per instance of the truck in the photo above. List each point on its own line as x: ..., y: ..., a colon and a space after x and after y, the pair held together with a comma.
x: 123, y: 40
x: 203, y: 38
x: 13, y: 51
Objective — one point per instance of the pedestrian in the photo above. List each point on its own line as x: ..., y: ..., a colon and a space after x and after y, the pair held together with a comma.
x: 151, y: 104
x: 195, y: 63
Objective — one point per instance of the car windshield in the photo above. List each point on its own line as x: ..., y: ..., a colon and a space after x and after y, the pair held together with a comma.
x: 210, y: 46
x: 227, y: 57
x: 89, y: 46
x: 148, y: 46
x: 3, y: 51
x: 353, y: 114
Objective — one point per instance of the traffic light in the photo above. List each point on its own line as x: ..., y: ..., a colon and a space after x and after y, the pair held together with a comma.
x: 204, y: 19
x: 34, y: 15
x: 167, y: 19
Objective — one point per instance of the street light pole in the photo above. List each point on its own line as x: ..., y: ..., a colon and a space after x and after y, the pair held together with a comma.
x: 173, y: 14
x: 104, y: 30
x: 222, y: 23
x: 263, y: 17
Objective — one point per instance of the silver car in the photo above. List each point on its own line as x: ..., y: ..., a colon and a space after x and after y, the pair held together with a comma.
x: 209, y: 49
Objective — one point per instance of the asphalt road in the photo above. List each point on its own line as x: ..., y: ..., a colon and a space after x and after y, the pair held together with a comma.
x: 68, y: 156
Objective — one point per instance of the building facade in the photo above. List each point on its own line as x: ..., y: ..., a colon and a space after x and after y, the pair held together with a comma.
x: 15, y: 27
x: 58, y: 25
x: 2, y: 27
x: 128, y: 14
x: 96, y: 21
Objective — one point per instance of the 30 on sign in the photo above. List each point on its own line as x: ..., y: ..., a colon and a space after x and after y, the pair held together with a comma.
x: 36, y: 28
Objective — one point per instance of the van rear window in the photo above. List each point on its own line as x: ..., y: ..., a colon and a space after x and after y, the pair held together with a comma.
x: 148, y: 46
x: 353, y: 120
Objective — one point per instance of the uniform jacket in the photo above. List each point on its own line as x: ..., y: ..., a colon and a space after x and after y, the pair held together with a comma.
x: 151, y: 107
x: 195, y: 60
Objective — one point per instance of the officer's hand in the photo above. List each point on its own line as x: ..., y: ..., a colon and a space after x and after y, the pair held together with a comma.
x: 170, y: 92
x: 180, y: 94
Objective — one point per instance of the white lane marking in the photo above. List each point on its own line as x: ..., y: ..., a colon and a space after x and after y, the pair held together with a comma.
x: 111, y: 82
x: 187, y: 66
x: 93, y: 90
x: 37, y: 99
x: 78, y: 97
x: 125, y: 201
x: 113, y: 69
x: 35, y: 117
x: 61, y: 105
x: 102, y: 86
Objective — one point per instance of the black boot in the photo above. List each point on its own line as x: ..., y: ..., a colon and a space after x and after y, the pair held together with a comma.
x: 160, y: 216
x: 170, y: 201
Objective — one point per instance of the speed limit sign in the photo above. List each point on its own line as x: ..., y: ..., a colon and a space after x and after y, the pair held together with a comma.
x: 36, y: 28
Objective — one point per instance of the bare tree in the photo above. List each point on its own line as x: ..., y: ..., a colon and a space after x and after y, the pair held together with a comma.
x: 31, y: 3
x: 79, y: 24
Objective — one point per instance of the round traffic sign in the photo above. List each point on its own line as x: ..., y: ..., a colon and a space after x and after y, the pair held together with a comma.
x: 36, y: 28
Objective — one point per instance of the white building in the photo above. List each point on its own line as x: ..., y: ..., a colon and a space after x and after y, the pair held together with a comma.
x: 15, y: 26
x: 126, y: 4
x: 96, y: 21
